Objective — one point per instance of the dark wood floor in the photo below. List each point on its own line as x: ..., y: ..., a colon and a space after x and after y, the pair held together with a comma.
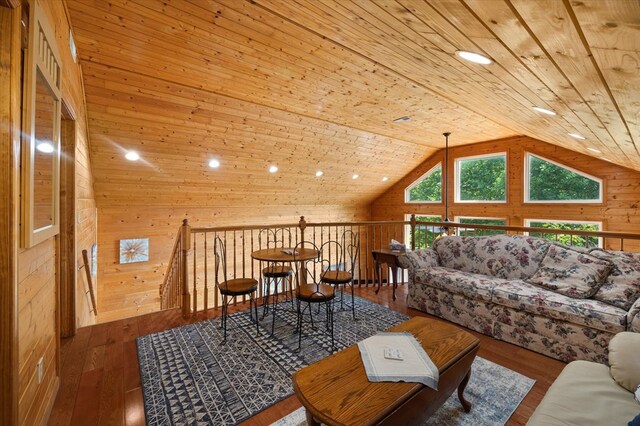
x: 100, y: 380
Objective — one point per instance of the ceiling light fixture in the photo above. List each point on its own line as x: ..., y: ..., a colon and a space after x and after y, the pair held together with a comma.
x: 384, y: 179
x: 544, y: 110
x: 45, y: 147
x: 476, y: 58
x: 132, y: 156
x: 319, y: 173
x: 355, y: 176
x: 402, y: 119
x: 273, y: 169
x: 605, y: 159
x: 577, y: 136
x: 597, y: 151
x: 214, y: 164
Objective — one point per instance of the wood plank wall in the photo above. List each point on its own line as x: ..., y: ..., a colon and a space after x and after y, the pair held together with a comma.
x: 132, y: 289
x: 618, y: 212
x: 37, y: 290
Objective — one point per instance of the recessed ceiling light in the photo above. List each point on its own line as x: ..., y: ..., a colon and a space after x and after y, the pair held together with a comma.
x: 544, y: 110
x: 402, y: 119
x: 355, y: 176
x: 577, y: 136
x: 605, y: 159
x: 45, y: 147
x: 384, y: 179
x: 597, y: 151
x: 214, y: 164
x: 273, y: 169
x: 132, y: 156
x: 474, y: 57
x: 319, y: 173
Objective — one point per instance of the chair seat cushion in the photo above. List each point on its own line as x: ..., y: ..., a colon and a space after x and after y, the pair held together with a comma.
x: 474, y: 286
x: 584, y: 394
x: 337, y: 277
x: 527, y: 297
x: 238, y: 286
x: 277, y: 271
x: 314, y: 292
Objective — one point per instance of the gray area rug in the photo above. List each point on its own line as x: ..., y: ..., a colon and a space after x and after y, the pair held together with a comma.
x: 189, y: 377
x: 494, y: 391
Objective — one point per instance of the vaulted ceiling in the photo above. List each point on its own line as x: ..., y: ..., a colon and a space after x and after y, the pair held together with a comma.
x: 316, y: 84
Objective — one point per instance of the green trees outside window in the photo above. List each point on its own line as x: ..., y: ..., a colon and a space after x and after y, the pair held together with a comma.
x: 425, y: 235
x: 551, y: 182
x: 428, y: 189
x: 567, y: 239
x: 482, y: 179
x: 478, y: 221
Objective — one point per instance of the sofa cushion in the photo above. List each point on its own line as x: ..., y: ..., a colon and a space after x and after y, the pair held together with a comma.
x: 624, y: 358
x: 622, y: 286
x: 571, y: 273
x: 526, y: 297
x: 502, y: 256
x: 473, y: 286
x: 584, y: 394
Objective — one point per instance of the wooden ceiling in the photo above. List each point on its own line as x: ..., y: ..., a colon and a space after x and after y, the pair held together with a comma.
x: 315, y: 85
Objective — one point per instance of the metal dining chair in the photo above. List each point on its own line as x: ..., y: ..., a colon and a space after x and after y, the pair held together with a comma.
x: 275, y: 272
x: 341, y: 270
x: 230, y: 288
x: 310, y: 289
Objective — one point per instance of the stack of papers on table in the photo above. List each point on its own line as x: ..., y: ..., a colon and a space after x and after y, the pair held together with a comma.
x: 414, y: 365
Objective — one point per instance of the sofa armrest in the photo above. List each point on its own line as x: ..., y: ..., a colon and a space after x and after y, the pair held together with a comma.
x: 633, y: 317
x: 419, y: 259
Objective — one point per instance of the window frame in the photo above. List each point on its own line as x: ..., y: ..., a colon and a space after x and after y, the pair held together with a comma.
x: 456, y: 180
x: 527, y: 200
x: 527, y: 224
x: 407, y: 191
x: 457, y: 220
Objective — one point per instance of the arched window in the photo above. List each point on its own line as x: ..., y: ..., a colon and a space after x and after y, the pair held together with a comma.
x: 427, y: 189
x: 549, y: 182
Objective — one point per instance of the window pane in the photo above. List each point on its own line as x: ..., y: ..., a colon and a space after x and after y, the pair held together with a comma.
x: 425, y: 235
x: 429, y: 189
x: 567, y: 239
x: 550, y: 182
x: 478, y: 232
x: 483, y: 179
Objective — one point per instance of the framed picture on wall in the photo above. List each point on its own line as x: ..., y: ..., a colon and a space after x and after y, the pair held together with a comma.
x: 134, y: 250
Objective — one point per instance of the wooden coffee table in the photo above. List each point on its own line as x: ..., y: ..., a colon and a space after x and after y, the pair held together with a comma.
x: 335, y: 390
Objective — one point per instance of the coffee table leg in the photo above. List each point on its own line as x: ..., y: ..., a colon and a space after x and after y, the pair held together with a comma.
x: 466, y: 405
x: 310, y: 420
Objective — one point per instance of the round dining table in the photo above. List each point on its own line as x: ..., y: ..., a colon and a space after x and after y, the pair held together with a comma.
x: 279, y: 254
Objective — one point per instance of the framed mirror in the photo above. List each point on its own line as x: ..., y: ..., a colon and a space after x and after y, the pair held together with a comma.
x: 41, y: 133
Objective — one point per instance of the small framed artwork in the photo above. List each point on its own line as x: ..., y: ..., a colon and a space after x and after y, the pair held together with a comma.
x: 134, y: 250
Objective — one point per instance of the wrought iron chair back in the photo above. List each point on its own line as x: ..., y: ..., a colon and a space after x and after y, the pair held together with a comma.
x: 275, y: 237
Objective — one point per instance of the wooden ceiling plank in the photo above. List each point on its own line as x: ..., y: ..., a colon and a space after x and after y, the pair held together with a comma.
x: 561, y: 40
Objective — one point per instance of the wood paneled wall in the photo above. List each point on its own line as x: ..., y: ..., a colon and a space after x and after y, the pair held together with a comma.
x: 38, y: 334
x: 618, y: 212
x: 132, y: 289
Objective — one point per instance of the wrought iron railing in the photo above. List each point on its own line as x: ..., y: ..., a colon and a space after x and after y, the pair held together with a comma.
x: 189, y: 282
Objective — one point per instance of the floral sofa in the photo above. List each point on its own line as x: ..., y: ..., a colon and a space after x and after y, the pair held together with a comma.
x: 561, y: 301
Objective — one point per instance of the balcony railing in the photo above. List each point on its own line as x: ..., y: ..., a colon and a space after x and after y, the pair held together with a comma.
x: 189, y: 282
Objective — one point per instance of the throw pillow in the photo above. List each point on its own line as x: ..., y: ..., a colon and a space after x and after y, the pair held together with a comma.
x: 571, y: 273
x: 622, y: 286
x: 624, y: 359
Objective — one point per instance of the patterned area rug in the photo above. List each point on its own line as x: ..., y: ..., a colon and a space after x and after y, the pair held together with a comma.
x: 494, y: 391
x: 190, y: 377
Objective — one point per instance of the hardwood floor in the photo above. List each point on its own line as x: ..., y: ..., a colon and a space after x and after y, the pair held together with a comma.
x: 100, y: 383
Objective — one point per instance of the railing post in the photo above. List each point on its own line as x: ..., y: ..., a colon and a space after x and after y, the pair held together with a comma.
x: 185, y: 234
x: 413, y: 231
x: 302, y: 225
